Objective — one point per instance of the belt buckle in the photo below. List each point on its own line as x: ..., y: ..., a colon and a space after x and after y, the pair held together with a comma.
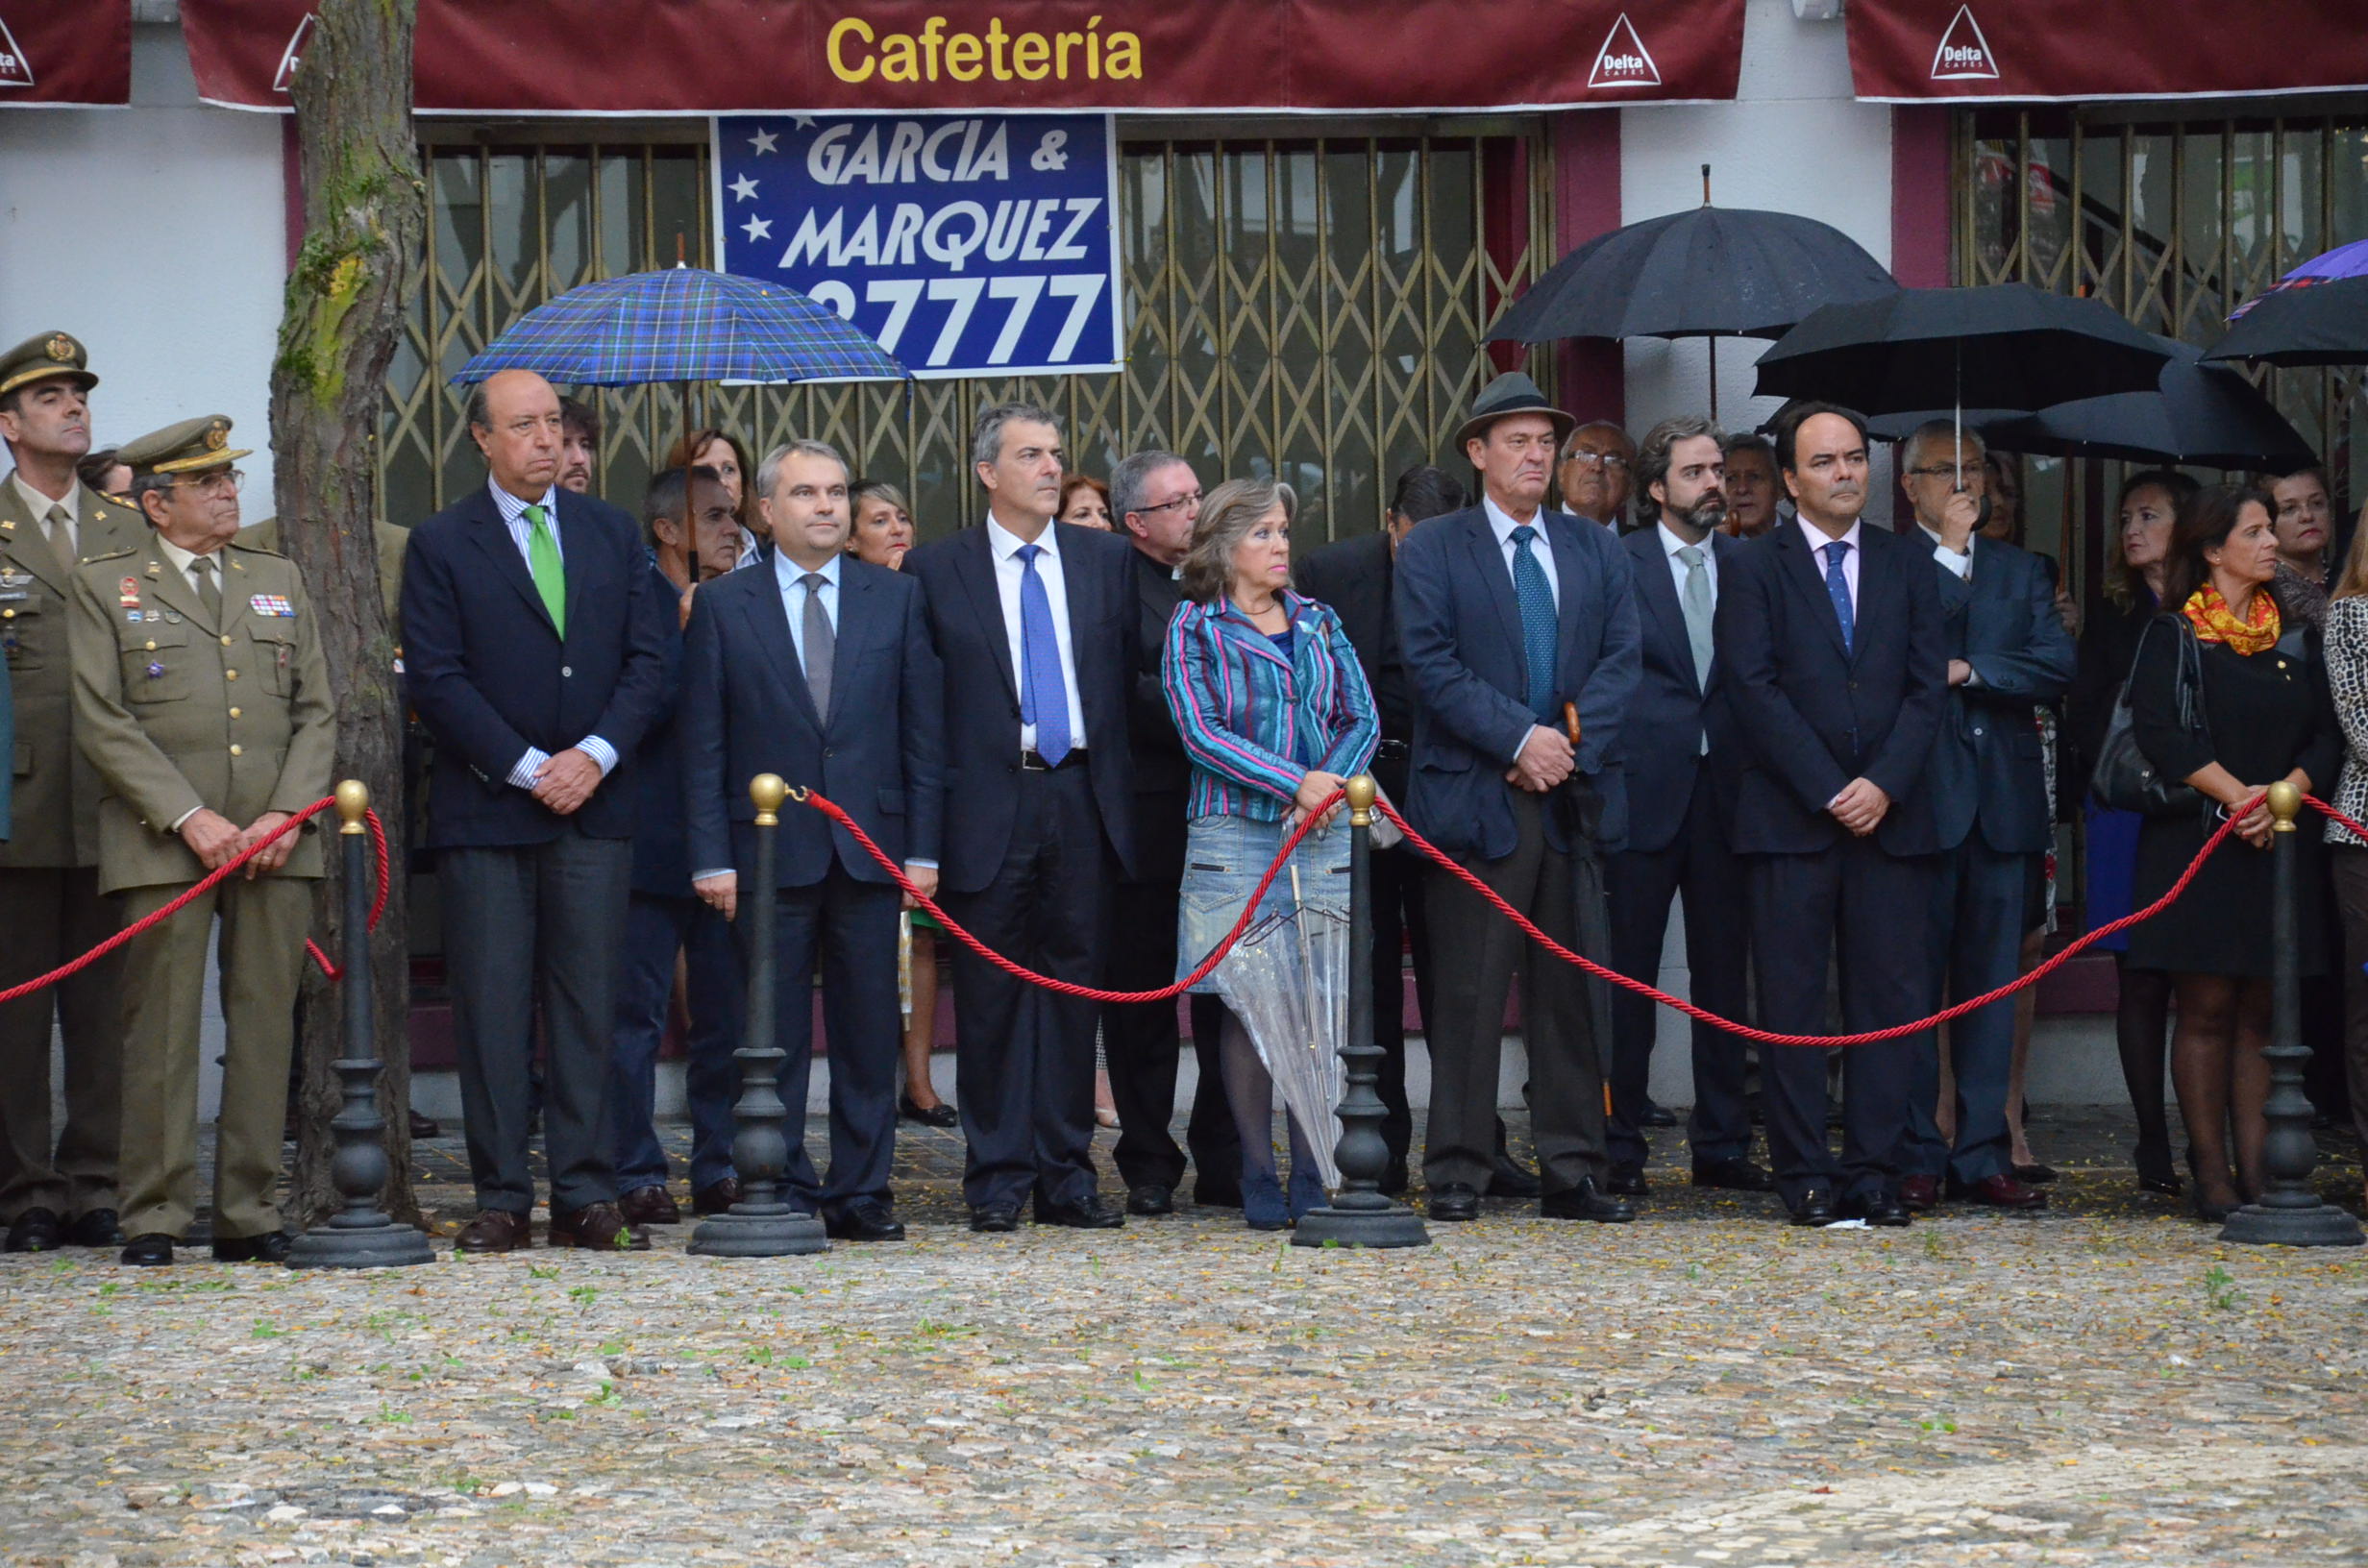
x: 1032, y: 761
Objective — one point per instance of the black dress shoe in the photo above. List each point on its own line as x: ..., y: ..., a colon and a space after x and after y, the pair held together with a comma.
x: 1394, y: 1178
x: 99, y: 1228
x: 1087, y: 1213
x: 940, y: 1114
x: 1738, y: 1175
x: 1209, y: 1193
x: 423, y: 1126
x: 1626, y: 1181
x: 994, y: 1218
x: 1814, y: 1209
x: 1585, y: 1202
x: 36, y: 1230
x: 2035, y: 1174
x: 151, y: 1249
x: 1658, y: 1115
x: 270, y: 1247
x: 1879, y: 1209
x: 1509, y: 1178
x: 1454, y: 1201
x: 1150, y: 1199
x: 866, y: 1219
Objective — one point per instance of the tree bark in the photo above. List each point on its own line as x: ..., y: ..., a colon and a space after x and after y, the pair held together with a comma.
x: 365, y: 211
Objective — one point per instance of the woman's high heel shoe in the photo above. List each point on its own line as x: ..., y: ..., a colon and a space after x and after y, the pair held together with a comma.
x: 1262, y: 1202
x: 1306, y: 1193
x: 2155, y: 1173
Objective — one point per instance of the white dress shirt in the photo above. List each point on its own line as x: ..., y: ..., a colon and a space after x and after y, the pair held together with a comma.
x: 521, y: 533
x: 1958, y: 561
x: 38, y: 504
x: 787, y: 573
x: 1818, y: 540
x: 1003, y: 547
x: 1671, y: 544
x: 750, y: 549
x: 1541, y: 549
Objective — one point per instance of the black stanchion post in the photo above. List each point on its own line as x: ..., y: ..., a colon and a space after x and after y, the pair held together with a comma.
x: 760, y: 1225
x: 361, y: 1236
x: 2289, y: 1213
x: 1359, y: 1215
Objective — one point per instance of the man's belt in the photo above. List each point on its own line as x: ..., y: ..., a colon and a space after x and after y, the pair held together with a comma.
x: 1032, y: 761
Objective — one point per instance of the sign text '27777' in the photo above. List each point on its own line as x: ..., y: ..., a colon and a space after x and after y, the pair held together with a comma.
x: 968, y: 245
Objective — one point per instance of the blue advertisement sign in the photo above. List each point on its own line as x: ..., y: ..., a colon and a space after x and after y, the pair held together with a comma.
x: 967, y: 244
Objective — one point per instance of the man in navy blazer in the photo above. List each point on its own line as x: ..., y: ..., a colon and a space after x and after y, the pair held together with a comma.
x: 1680, y: 761
x: 535, y: 648
x: 1506, y: 611
x: 1831, y: 635
x: 2007, y: 653
x: 817, y: 665
x: 1036, y: 626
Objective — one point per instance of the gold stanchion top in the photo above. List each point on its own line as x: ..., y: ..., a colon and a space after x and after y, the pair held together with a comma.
x: 768, y: 791
x: 352, y: 805
x: 1362, y: 790
x: 2285, y: 803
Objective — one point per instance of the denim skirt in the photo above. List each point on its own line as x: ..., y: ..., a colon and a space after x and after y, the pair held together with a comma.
x: 1223, y: 859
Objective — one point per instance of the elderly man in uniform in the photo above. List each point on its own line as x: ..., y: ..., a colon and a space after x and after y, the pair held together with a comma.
x: 50, y: 904
x: 202, y: 697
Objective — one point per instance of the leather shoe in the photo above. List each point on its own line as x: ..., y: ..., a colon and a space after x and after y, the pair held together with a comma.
x: 1393, y: 1178
x: 1454, y: 1201
x: 1626, y: 1181
x: 496, y: 1230
x: 1815, y: 1208
x: 1150, y: 1199
x: 425, y: 1126
x: 940, y: 1114
x: 270, y: 1247
x: 97, y: 1227
x: 1585, y: 1202
x: 716, y: 1196
x: 1509, y: 1178
x: 1919, y: 1194
x: 866, y: 1219
x: 1087, y: 1213
x: 597, y: 1226
x: 650, y: 1206
x: 994, y: 1218
x: 1879, y: 1209
x: 150, y: 1249
x: 36, y: 1230
x: 1210, y: 1192
x: 1737, y: 1175
x: 2035, y: 1175
x: 1658, y: 1115
x: 1999, y: 1191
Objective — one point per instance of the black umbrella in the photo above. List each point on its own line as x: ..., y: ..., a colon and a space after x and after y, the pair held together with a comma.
x: 1713, y: 271
x: 2198, y: 413
x: 2320, y: 324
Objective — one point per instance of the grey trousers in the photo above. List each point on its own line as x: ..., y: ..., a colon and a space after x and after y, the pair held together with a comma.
x: 528, y: 930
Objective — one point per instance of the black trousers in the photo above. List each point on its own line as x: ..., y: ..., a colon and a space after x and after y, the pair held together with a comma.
x: 1398, y: 922
x: 1143, y: 1045
x: 1643, y: 883
x: 1024, y: 1057
x: 1871, y: 910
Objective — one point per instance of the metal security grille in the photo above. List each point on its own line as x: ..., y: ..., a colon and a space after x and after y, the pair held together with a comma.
x: 1310, y: 307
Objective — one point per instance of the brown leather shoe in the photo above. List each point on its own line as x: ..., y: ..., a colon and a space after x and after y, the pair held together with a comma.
x: 496, y: 1230
x: 650, y: 1206
x: 1999, y: 1191
x: 1919, y: 1194
x: 597, y: 1226
x: 716, y: 1197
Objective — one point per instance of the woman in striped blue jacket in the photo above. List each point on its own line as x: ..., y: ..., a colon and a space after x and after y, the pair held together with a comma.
x: 1275, y: 713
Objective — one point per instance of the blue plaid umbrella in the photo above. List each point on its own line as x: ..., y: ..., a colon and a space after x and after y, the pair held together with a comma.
x: 682, y: 323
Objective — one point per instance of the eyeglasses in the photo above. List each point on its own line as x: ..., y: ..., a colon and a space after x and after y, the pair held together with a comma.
x: 1191, y: 499
x: 222, y: 480
x: 1608, y: 461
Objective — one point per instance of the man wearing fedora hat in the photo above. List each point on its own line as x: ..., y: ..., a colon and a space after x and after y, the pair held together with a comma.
x: 56, y: 1184
x: 1507, y: 611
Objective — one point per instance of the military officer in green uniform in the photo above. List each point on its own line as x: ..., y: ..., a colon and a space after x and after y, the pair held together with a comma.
x: 56, y: 1184
x: 202, y: 698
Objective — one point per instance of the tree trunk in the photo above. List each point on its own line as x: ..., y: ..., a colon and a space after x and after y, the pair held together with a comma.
x: 364, y: 214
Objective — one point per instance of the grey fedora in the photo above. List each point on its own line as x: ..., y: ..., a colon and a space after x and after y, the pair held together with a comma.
x: 1512, y: 393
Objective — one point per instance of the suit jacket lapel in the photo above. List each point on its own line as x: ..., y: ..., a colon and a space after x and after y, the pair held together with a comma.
x: 1658, y: 588
x: 1489, y: 561
x: 26, y: 541
x: 167, y: 583
x: 854, y: 629
x: 494, y: 541
x: 768, y: 621
x: 1808, y: 578
x: 987, y: 602
x: 238, y: 589
x: 579, y: 557
x: 1561, y: 536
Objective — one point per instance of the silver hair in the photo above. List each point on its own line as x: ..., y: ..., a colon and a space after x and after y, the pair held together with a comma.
x: 1231, y: 510
x: 1130, y: 482
x: 1940, y: 433
x: 1653, y: 458
x: 769, y: 471
x: 987, y: 435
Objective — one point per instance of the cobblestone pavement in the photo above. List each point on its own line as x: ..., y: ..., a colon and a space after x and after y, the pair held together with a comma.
x: 2105, y: 1384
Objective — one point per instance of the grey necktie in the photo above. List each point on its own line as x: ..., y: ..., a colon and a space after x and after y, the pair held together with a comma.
x: 208, y: 591
x: 1696, y: 603
x: 61, y: 534
x: 820, y: 646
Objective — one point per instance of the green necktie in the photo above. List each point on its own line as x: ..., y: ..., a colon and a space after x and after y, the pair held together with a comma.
x: 550, y: 577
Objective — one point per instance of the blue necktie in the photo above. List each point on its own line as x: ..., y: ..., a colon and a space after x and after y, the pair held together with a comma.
x: 1538, y: 633
x: 1838, y: 589
x: 1043, y: 692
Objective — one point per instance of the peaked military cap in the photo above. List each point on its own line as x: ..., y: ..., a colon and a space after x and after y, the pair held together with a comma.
x: 42, y: 355
x: 1512, y: 393
x: 189, y: 447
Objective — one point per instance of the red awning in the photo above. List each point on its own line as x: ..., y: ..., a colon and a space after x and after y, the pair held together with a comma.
x: 72, y: 53
x: 1915, y: 51
x: 705, y: 57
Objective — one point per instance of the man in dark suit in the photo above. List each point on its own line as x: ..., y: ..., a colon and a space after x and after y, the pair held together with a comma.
x: 1679, y: 765
x: 1036, y: 625
x: 533, y: 638
x: 1155, y: 498
x: 2007, y: 653
x: 1830, y: 638
x: 1507, y: 611
x: 692, y: 536
x: 817, y: 665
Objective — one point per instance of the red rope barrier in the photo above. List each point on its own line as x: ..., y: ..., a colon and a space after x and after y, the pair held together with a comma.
x: 201, y: 887
x: 377, y: 904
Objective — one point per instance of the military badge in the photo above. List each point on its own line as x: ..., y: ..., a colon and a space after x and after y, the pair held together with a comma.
x: 60, y: 346
x: 271, y: 604
x: 127, y: 593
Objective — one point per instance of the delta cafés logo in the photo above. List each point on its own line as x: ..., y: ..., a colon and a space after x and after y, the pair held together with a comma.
x: 16, y: 71
x: 1963, y: 54
x: 1623, y: 61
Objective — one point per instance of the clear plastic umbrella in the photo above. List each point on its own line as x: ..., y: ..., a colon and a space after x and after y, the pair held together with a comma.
x: 1287, y: 980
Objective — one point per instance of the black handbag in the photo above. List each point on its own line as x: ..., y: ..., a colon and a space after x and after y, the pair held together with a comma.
x: 2125, y: 779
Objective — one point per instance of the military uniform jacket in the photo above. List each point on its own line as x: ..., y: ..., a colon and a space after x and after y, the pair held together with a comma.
x: 176, y: 712
x: 54, y: 818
